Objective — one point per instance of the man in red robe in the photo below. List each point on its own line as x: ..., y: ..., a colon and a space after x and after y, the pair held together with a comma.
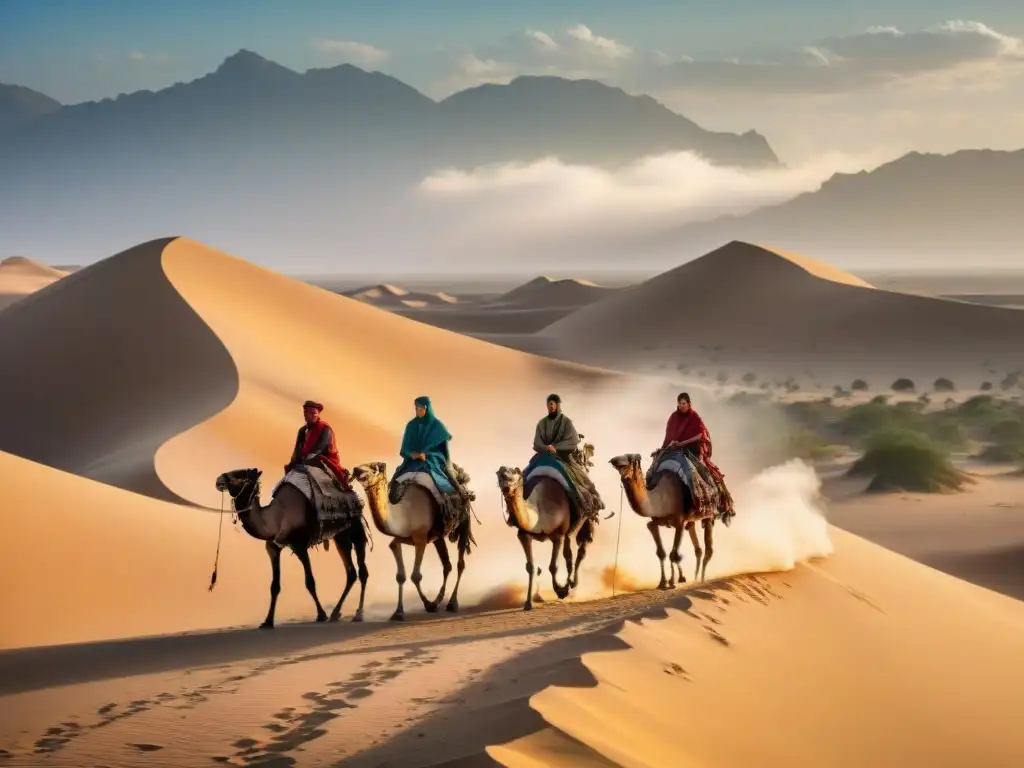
x: 686, y: 430
x: 315, y: 445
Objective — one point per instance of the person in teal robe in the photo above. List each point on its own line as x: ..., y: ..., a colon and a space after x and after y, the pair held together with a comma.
x: 425, y: 448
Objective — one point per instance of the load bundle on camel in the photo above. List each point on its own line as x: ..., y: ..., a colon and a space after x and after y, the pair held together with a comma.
x: 307, y: 508
x: 673, y: 494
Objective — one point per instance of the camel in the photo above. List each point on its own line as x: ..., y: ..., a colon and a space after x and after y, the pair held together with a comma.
x: 668, y: 505
x: 544, y: 516
x: 288, y: 521
x: 415, y: 521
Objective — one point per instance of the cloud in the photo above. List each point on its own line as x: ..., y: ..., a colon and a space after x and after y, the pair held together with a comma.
x: 351, y: 51
x: 577, y: 52
x: 148, y: 57
x: 554, y: 205
x: 876, y: 56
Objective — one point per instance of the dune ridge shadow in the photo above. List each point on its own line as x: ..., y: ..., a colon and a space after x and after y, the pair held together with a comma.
x: 112, y: 363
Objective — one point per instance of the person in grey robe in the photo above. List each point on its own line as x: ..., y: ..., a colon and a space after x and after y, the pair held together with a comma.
x: 557, y: 435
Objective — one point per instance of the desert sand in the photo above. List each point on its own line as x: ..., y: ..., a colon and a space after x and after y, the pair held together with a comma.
x: 20, y: 277
x: 175, y: 362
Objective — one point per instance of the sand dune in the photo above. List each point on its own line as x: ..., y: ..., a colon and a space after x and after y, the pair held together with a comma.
x: 546, y: 292
x: 391, y: 296
x: 862, y: 660
x: 755, y: 307
x: 159, y: 368
x: 20, y: 277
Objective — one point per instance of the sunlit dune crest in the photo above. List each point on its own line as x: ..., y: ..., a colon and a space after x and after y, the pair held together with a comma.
x: 820, y: 268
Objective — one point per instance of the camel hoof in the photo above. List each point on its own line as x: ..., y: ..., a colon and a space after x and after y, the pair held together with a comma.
x: 335, y: 617
x: 430, y: 607
x: 664, y: 586
x: 453, y: 606
x: 528, y: 606
x: 321, y: 618
x: 267, y: 625
x: 398, y: 616
x: 358, y: 617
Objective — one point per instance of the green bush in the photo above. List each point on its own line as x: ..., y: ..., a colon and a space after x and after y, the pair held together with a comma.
x: 986, y: 386
x: 904, y: 460
x: 749, y: 378
x: 943, y: 385
x: 861, y: 421
x: 903, y: 385
x: 859, y: 385
x: 1012, y: 380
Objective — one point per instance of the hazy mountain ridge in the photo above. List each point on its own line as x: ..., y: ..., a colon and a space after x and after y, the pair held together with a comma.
x: 250, y: 101
x: 963, y: 204
x: 20, y: 105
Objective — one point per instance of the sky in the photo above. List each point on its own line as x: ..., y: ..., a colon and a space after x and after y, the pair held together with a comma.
x: 871, y: 79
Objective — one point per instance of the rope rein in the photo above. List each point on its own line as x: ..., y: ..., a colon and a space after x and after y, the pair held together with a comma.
x: 618, y: 538
x: 220, y: 533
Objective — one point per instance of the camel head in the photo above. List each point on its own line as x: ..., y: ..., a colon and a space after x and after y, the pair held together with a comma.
x: 628, y: 467
x: 370, y: 475
x: 242, y: 485
x: 510, y: 480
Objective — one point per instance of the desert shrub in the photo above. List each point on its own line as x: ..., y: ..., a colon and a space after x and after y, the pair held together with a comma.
x: 803, y: 443
x: 859, y: 385
x: 924, y: 399
x: 749, y: 378
x: 949, y: 434
x: 904, y: 460
x: 880, y: 400
x: 948, y: 403
x: 723, y: 377
x: 986, y: 386
x: 861, y: 421
x: 943, y: 385
x: 903, y: 385
x: 1010, y: 381
x: 838, y: 391
x: 1001, y: 453
x: 1008, y: 430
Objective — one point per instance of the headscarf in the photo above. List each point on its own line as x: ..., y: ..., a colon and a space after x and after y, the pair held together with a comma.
x: 426, y: 433
x: 684, y: 426
x: 313, y: 404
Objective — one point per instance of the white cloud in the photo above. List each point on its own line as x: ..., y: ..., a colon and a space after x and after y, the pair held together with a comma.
x: 877, y: 56
x: 144, y: 56
x: 352, y: 52
x: 553, y: 205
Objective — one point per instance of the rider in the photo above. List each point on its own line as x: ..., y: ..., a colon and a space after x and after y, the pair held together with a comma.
x: 686, y: 430
x: 425, y: 449
x: 315, y: 445
x: 556, y: 434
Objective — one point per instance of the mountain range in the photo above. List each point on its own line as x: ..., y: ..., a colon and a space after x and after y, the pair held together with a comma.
x: 955, y: 211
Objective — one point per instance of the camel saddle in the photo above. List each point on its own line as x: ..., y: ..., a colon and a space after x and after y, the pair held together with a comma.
x: 456, y: 507
x: 336, y: 506
x: 695, y: 477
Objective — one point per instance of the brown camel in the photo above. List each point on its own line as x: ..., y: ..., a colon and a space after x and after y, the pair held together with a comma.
x: 668, y: 505
x: 416, y: 520
x: 544, y: 516
x: 288, y: 521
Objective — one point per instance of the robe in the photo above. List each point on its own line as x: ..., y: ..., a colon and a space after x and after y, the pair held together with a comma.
x: 316, y: 441
x: 684, y: 426
x: 559, y: 432
x: 429, y: 436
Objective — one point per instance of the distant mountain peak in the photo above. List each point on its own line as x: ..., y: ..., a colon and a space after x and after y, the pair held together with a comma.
x: 246, y: 63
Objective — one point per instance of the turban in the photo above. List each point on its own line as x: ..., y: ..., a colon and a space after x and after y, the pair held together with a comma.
x: 315, y: 406
x: 553, y: 398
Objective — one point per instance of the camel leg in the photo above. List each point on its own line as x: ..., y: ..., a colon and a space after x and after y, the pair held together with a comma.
x: 420, y: 548
x: 659, y: 551
x: 581, y: 552
x: 446, y: 568
x: 453, y: 604
x: 567, y: 553
x: 537, y: 597
x: 675, y: 559
x: 274, y: 552
x: 561, y: 590
x: 396, y: 550
x: 527, y: 544
x: 359, y: 544
x: 343, y: 543
x: 307, y: 567
x: 709, y: 548
x: 692, y: 528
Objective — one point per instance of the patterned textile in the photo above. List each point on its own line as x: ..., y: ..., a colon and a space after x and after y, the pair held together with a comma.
x: 335, y: 509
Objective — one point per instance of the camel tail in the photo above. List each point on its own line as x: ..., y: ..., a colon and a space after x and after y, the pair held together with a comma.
x: 464, y: 535
x: 585, y: 535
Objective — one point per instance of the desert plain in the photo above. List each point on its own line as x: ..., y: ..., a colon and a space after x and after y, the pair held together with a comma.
x: 845, y: 621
